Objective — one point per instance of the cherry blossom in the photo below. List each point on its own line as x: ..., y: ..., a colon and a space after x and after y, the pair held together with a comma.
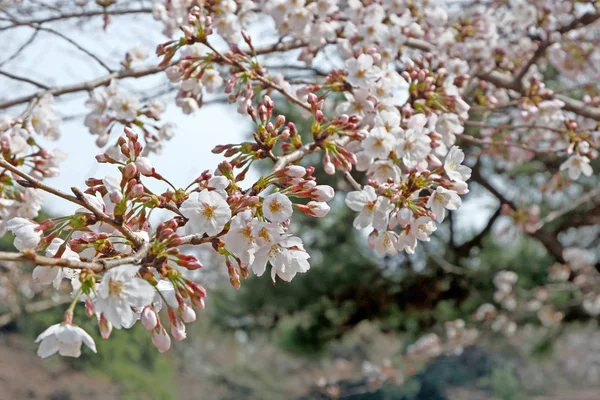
x: 207, y: 211
x: 66, y: 339
x: 119, y: 293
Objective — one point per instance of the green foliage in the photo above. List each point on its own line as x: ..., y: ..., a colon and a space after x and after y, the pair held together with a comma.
x: 505, y: 385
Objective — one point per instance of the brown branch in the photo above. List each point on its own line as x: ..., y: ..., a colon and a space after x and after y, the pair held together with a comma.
x: 571, y: 206
x: 464, y: 249
x: 79, y: 200
x: 547, y: 239
x: 99, y: 265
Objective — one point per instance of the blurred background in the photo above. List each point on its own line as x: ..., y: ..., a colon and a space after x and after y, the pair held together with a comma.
x: 343, y: 330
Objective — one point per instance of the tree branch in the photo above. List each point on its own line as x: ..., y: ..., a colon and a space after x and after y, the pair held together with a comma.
x: 548, y: 240
x: 79, y: 200
x: 23, y: 79
x: 464, y: 249
x: 86, y: 14
x: 130, y: 73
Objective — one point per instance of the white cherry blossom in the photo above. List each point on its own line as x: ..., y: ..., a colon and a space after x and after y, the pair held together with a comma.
x: 453, y: 167
x: 277, y: 207
x: 119, y: 292
x: 66, y: 339
x: 207, y: 212
x: 441, y: 200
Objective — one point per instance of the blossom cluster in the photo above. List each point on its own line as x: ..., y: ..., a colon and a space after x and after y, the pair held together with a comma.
x: 111, y: 106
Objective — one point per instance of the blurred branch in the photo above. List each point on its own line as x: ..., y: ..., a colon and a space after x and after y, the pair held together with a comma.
x: 464, y: 249
x: 21, y: 48
x: 547, y: 239
x: 74, y: 43
x: 34, y: 307
x: 64, y: 16
x: 568, y: 208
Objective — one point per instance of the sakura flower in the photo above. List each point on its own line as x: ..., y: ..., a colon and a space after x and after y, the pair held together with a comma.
x: 27, y: 234
x: 287, y: 257
x: 119, y: 291
x: 55, y: 275
x: 374, y: 210
x: 406, y: 242
x: 577, y: 165
x: 361, y: 71
x: 277, y: 207
x: 219, y: 184
x: 448, y: 125
x: 382, y: 170
x: 379, y: 143
x: 126, y: 106
x: 207, y: 212
x: 453, y: 167
x: 66, y: 339
x: 443, y: 199
x: 386, y: 243
x: 422, y: 228
x: 240, y: 237
x: 413, y: 145
x: 212, y: 80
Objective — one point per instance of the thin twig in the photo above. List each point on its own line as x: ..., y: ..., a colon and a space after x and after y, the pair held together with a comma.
x: 86, y: 14
x: 23, y: 79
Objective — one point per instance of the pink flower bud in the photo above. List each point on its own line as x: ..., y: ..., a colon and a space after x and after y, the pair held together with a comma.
x: 322, y: 193
x: 329, y: 168
x: 105, y: 327
x: 295, y: 171
x: 178, y: 330
x: 129, y: 171
x: 161, y: 339
x: 198, y: 302
x: 116, y: 197
x: 89, y: 307
x: 102, y: 140
x: 144, y: 166
x: 460, y: 187
x: 315, y: 209
x: 137, y: 190
x: 434, y: 162
x: 149, y: 318
x: 188, y: 314
x: 131, y: 134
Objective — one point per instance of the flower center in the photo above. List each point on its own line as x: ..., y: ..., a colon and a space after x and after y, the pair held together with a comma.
x: 439, y: 197
x: 208, y: 211
x: 264, y: 234
x: 115, y: 288
x: 275, y: 206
